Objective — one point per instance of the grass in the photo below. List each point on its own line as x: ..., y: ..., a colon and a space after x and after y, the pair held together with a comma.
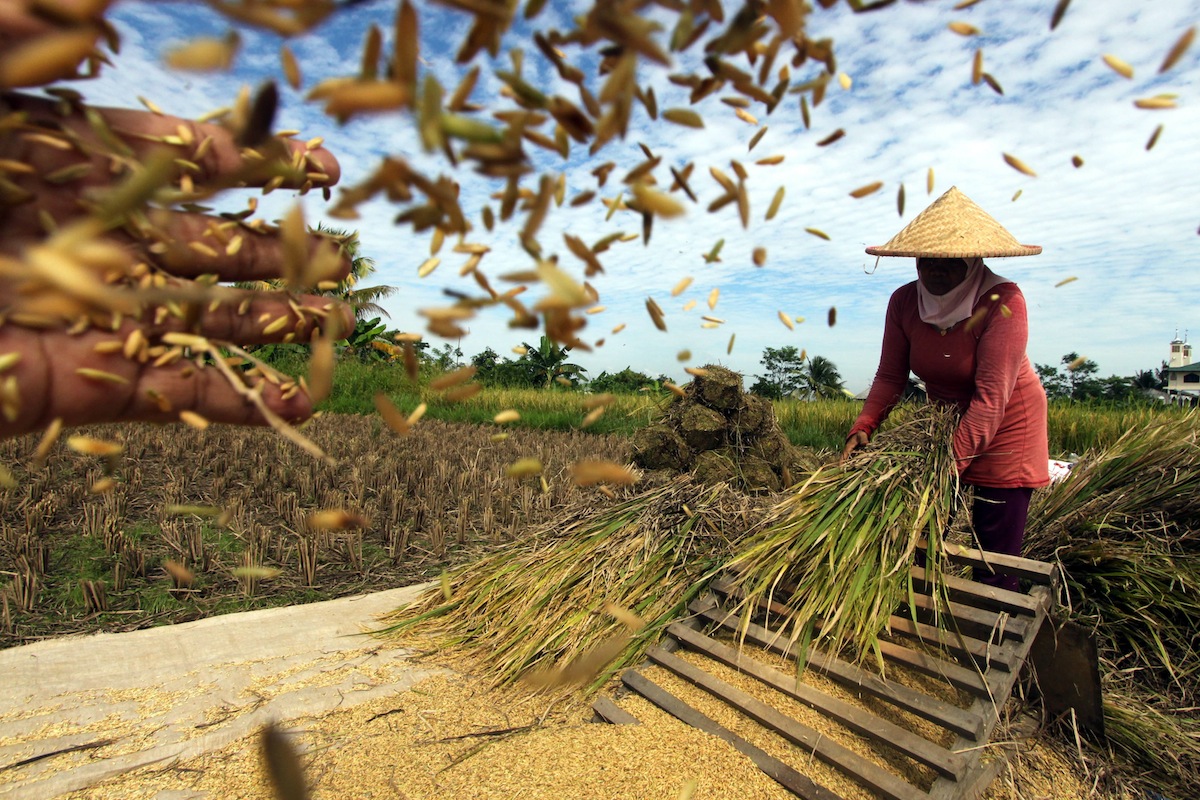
x: 1074, y: 428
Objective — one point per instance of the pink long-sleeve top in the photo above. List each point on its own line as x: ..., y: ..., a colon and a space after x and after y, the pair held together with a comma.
x: 980, y: 365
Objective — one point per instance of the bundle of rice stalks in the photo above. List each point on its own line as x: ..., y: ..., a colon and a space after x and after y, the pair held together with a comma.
x: 1150, y: 470
x: 1143, y: 601
x: 836, y: 554
x: 584, y: 603
x: 1160, y: 744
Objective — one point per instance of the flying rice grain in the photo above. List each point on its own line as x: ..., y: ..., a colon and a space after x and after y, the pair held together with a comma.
x: 88, y: 446
x: 523, y: 468
x: 427, y: 267
x: 673, y: 389
x: 818, y: 233
x: 713, y: 296
x: 963, y: 28
x: 776, y: 202
x: 589, y: 472
x: 770, y: 161
x: 831, y: 138
x: 1154, y: 138
x: 1178, y: 49
x: 1059, y: 11
x: 678, y: 289
x: 591, y: 417
x: 745, y: 116
x: 832, y: 318
x: 759, y: 256
x: 683, y: 355
x: 787, y: 321
x: 47, y: 58
x: 863, y: 191
x: 1076, y: 162
x: 683, y: 116
x: 656, y: 314
x: 205, y: 54
x: 1016, y: 195
x: 757, y: 137
x: 1065, y: 281
x: 1019, y: 165
x: 508, y: 415
x: 1156, y: 103
x: 1118, y: 66
x: 696, y: 372
x: 193, y: 419
x: 977, y: 68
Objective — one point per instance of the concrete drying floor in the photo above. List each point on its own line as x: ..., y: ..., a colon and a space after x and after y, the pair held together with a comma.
x: 78, y: 710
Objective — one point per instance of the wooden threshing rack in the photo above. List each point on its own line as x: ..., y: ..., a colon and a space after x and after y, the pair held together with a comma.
x: 980, y: 650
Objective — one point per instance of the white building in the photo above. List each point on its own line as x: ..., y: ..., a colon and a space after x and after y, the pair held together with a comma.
x: 1183, y: 377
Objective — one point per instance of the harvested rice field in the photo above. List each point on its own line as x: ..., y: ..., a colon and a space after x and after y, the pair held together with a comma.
x: 435, y: 498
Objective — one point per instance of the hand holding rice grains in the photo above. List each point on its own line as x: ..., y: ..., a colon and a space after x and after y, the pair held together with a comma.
x: 111, y: 300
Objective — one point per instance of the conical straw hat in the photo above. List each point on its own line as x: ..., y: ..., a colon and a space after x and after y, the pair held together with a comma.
x: 954, y: 227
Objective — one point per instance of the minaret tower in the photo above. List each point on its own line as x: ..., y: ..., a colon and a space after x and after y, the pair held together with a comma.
x: 1181, y: 351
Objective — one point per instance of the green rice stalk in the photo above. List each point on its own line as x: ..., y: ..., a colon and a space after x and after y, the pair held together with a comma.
x: 542, y: 606
x: 836, y: 554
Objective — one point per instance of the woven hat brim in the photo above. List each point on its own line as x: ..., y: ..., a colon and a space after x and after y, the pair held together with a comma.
x: 1019, y: 250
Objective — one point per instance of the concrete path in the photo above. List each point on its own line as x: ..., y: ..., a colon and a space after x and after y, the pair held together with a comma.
x: 161, y: 694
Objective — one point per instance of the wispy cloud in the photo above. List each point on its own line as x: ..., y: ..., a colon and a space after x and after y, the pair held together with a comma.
x: 1124, y: 223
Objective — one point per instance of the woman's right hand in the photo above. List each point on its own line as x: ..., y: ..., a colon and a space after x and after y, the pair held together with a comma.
x: 853, y: 442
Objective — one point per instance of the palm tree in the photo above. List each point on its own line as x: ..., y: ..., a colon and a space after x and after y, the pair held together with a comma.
x: 364, y: 301
x: 819, y: 378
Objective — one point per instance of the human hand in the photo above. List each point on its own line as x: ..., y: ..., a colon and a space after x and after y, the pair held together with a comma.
x: 99, y: 296
x: 853, y: 442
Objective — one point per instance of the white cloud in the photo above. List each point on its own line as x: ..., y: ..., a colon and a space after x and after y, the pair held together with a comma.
x: 1124, y: 224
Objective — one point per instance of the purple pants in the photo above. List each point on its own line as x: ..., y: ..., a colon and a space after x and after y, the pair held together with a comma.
x: 999, y: 518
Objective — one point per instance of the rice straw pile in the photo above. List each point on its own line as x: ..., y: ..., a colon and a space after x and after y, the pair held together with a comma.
x: 557, y: 611
x: 836, y: 554
x: 1123, y: 525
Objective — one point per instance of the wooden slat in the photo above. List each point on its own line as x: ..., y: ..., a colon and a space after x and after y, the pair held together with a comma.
x: 977, y: 622
x: 956, y: 675
x: 864, y: 723
x: 964, y: 648
x: 1038, y: 572
x: 989, y: 709
x: 948, y: 716
x: 799, y: 785
x: 868, y: 773
x: 610, y: 712
x: 981, y: 595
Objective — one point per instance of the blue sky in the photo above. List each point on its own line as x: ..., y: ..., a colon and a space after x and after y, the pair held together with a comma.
x: 1125, y: 224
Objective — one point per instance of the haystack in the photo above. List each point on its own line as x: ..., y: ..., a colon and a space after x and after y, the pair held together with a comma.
x: 721, y: 434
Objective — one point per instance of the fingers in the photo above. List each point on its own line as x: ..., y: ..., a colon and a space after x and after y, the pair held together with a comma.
x: 855, y: 441
x: 249, y: 317
x: 210, y: 148
x: 209, y: 245
x: 87, y: 379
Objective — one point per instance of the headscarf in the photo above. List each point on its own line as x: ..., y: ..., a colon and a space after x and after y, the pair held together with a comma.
x: 947, y: 310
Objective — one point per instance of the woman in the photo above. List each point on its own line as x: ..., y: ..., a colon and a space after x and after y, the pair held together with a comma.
x: 962, y: 329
